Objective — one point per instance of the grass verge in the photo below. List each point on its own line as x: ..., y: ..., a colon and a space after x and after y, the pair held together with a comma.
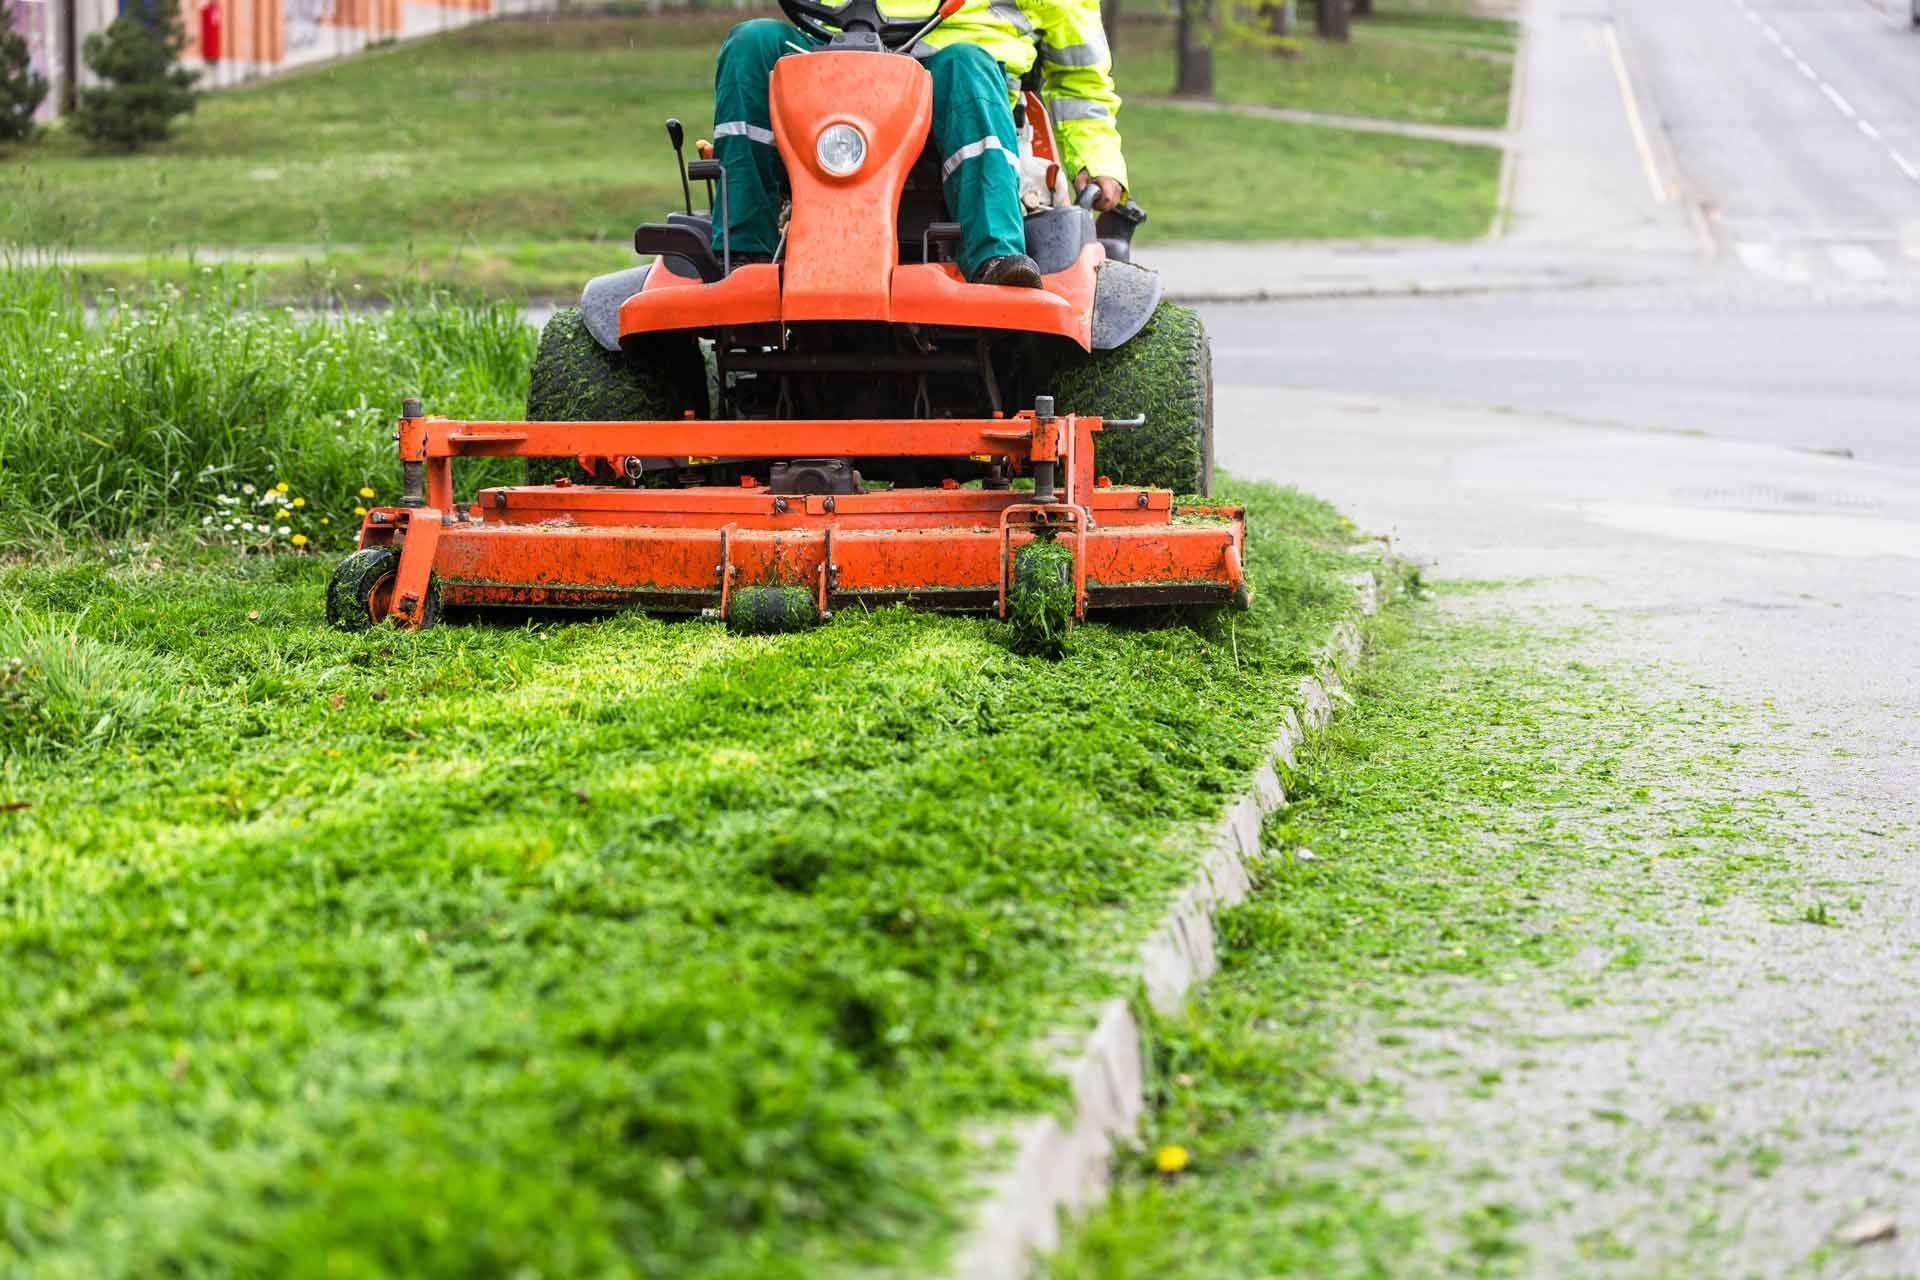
x: 1403, y: 63
x: 1485, y: 777
x: 503, y: 162
x: 618, y: 946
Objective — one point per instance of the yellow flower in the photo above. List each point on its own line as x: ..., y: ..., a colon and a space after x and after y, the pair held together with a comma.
x: 326, y: 519
x: 283, y: 514
x: 359, y: 511
x: 282, y: 486
x: 299, y: 502
x: 299, y: 539
x: 1171, y: 1159
x: 365, y: 492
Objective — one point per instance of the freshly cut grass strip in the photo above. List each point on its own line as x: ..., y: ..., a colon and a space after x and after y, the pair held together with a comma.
x: 613, y: 945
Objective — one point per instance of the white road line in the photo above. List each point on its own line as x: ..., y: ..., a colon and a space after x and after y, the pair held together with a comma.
x: 1769, y: 261
x: 1655, y: 182
x: 1832, y: 94
x: 1857, y: 261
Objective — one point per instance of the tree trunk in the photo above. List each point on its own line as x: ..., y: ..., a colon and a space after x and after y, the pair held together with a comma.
x: 1193, y: 49
x: 1280, y: 15
x: 1360, y: 8
x: 1330, y: 20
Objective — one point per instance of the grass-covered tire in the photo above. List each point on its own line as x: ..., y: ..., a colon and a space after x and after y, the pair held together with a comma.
x: 575, y: 379
x: 1040, y: 598
x: 1164, y: 372
x: 360, y: 593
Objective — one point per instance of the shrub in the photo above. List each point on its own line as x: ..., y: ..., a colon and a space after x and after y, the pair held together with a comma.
x: 138, y: 57
x: 22, y: 89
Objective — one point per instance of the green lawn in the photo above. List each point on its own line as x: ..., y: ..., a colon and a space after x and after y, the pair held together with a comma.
x: 1405, y: 63
x: 515, y: 158
x: 617, y: 946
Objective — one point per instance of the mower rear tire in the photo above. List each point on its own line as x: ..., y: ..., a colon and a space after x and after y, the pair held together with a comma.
x: 360, y: 593
x: 575, y: 379
x: 1164, y: 372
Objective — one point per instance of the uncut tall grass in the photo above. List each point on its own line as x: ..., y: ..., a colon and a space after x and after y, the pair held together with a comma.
x: 127, y: 420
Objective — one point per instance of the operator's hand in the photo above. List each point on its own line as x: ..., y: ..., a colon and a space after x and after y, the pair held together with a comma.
x: 1111, y: 192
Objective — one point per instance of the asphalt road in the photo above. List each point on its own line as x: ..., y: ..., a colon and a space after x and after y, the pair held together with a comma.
x: 1633, y: 462
x: 1785, y: 370
x: 1758, y: 160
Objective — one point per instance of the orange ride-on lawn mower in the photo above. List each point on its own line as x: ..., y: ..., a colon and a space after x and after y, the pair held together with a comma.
x: 769, y: 442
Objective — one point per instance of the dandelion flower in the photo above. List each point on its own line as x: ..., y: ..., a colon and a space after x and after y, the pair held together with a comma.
x: 299, y: 539
x: 299, y: 502
x: 283, y: 514
x: 359, y: 511
x: 283, y: 486
x: 326, y: 519
x: 365, y: 491
x: 1170, y: 1159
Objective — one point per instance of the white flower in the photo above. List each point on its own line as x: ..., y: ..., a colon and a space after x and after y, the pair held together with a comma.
x: 284, y: 531
x: 205, y: 521
x: 246, y: 488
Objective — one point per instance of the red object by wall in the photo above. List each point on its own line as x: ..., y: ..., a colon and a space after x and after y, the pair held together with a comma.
x: 210, y: 32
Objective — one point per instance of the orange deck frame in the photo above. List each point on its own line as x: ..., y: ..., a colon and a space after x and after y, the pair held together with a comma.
x: 686, y: 550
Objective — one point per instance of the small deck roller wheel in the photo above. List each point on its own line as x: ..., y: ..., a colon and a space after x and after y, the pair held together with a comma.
x: 360, y: 593
x: 1040, y: 598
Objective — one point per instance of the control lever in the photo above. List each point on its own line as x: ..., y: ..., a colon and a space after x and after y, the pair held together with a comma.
x: 945, y: 11
x: 714, y: 171
x: 677, y: 135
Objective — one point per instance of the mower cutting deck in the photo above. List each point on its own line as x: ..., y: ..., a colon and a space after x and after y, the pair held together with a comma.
x: 711, y: 549
x: 766, y: 442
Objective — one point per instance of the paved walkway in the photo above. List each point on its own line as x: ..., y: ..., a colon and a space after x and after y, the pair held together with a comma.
x: 1460, y: 134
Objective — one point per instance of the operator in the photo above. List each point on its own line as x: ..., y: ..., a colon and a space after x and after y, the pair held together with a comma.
x: 975, y: 57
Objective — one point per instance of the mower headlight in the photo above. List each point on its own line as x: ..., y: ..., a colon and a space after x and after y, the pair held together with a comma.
x: 841, y: 149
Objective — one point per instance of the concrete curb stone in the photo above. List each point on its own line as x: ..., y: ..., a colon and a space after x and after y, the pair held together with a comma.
x: 1061, y: 1164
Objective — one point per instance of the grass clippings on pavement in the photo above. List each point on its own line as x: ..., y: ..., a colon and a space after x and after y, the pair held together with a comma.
x: 1492, y: 806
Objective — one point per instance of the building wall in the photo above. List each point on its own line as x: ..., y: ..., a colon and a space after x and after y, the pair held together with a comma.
x: 258, y: 37
x: 33, y: 21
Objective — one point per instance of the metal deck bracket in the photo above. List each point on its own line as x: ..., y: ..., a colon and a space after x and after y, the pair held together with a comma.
x: 1044, y: 515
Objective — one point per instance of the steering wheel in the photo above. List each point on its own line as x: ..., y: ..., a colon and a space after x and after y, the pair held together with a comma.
x: 824, y: 21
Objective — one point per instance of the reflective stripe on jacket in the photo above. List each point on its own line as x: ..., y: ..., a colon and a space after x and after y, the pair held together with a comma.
x: 1076, y: 68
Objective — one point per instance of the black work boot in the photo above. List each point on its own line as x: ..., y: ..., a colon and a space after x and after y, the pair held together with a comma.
x: 1016, y: 270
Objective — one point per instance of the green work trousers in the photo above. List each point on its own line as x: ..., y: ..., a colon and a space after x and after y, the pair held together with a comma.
x: 972, y: 132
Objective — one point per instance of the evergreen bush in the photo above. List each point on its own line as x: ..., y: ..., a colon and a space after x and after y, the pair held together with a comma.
x: 22, y: 89
x: 137, y: 57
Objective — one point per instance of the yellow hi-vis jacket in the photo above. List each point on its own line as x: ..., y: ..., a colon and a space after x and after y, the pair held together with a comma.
x: 1076, y: 68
